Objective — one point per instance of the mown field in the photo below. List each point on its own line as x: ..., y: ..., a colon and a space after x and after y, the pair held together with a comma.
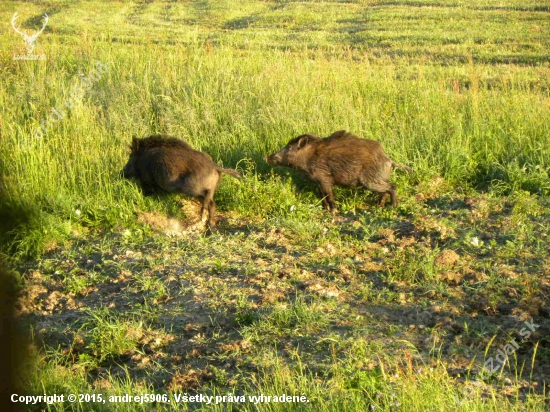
x: 384, y: 309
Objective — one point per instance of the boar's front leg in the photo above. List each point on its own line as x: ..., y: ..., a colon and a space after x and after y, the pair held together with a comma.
x: 323, y: 196
x: 383, y: 199
x: 148, y: 189
x: 327, y: 195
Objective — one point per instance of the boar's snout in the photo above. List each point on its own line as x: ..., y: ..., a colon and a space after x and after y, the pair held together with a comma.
x: 128, y: 171
x: 274, y: 159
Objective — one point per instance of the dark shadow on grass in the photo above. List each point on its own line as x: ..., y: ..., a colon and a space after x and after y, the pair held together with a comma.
x: 354, y: 25
x: 15, y: 341
x: 36, y: 22
x: 208, y: 336
x: 414, y: 4
x: 525, y: 176
x: 542, y: 9
x: 448, y: 203
x: 241, y: 22
x: 521, y: 60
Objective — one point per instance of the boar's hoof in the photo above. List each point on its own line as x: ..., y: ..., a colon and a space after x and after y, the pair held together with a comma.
x: 383, y: 199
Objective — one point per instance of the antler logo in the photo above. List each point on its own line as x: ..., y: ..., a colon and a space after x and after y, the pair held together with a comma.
x: 30, y: 41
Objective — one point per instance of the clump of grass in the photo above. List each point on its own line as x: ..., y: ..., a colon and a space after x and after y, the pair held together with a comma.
x: 111, y: 335
x: 298, y: 316
x: 153, y: 285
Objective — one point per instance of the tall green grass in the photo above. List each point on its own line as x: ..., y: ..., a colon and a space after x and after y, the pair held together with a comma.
x: 347, y: 388
x: 478, y: 125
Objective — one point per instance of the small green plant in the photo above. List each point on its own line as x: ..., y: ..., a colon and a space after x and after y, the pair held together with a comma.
x: 111, y: 335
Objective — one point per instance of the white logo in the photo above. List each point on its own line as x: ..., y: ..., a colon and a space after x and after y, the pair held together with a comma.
x: 30, y: 41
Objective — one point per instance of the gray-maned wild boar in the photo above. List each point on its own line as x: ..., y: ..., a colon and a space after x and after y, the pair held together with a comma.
x: 172, y: 165
x: 341, y: 159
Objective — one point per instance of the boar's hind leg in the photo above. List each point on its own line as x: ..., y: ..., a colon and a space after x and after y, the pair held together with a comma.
x: 211, y: 213
x: 208, y: 203
x: 386, y: 190
x: 393, y: 194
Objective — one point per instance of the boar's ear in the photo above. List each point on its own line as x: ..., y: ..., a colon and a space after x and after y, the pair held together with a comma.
x: 339, y: 133
x: 302, y: 141
x: 135, y: 144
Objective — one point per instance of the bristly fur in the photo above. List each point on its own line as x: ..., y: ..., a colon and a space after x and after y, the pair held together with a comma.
x: 310, y: 138
x: 341, y: 159
x: 157, y: 140
x: 339, y: 134
x: 161, y: 162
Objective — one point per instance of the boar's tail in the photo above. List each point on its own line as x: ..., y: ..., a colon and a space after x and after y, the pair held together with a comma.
x: 400, y: 166
x: 230, y: 172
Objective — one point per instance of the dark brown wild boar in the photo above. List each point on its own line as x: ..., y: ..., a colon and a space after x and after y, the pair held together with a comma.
x: 341, y: 159
x: 172, y: 165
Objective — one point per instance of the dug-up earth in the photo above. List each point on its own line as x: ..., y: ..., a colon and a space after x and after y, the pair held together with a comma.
x: 446, y: 278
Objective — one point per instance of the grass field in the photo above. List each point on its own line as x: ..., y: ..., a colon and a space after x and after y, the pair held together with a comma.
x: 372, y: 309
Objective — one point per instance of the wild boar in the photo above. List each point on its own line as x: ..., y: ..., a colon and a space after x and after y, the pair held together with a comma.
x: 172, y: 165
x: 341, y: 159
